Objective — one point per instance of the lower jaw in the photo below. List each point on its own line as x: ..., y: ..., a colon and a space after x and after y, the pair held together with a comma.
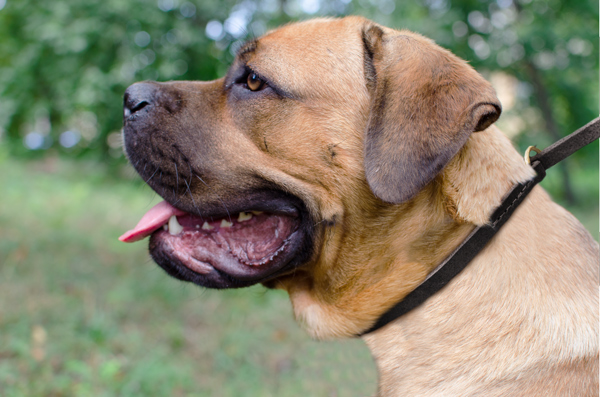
x: 210, y: 276
x: 212, y: 279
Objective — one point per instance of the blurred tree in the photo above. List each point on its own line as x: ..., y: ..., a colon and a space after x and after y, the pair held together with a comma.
x: 64, y: 64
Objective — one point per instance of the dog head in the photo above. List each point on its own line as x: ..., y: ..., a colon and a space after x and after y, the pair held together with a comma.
x: 312, y: 166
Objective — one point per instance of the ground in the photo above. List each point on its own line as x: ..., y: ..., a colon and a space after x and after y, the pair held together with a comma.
x: 84, y: 314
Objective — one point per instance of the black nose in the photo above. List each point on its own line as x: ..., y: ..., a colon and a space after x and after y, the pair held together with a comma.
x: 137, y: 97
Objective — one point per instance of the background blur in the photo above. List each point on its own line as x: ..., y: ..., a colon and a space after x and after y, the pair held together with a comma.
x: 82, y: 314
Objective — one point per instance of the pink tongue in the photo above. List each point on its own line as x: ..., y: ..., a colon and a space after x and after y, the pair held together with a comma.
x: 152, y: 220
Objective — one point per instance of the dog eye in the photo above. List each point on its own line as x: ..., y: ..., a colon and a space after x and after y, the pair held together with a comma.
x: 254, y: 82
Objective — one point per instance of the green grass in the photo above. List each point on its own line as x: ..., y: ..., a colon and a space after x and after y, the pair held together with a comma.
x: 83, y: 314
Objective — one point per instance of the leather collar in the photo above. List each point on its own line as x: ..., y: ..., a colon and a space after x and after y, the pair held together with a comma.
x: 481, y: 235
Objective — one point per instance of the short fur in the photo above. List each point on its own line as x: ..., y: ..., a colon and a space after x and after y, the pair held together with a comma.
x: 387, y: 140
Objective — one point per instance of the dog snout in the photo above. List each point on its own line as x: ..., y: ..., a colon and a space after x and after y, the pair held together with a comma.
x: 137, y: 97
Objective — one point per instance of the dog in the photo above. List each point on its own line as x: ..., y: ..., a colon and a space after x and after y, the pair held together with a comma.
x: 342, y: 161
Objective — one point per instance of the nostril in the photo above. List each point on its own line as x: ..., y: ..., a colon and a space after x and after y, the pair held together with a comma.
x: 139, y: 106
x: 137, y: 97
x: 131, y: 109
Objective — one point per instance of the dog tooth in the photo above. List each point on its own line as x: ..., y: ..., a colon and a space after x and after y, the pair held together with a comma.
x: 276, y: 233
x: 174, y: 227
x: 197, y: 226
x: 224, y: 223
x: 244, y: 216
x: 206, y: 226
x: 257, y: 212
x: 165, y: 227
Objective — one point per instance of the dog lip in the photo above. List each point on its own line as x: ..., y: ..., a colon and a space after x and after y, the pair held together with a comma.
x: 159, y: 215
x: 220, y: 268
x: 276, y: 203
x: 226, y: 263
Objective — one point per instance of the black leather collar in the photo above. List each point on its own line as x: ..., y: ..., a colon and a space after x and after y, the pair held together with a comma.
x: 479, y: 237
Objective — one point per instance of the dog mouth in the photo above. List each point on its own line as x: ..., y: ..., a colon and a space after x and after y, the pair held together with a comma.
x: 233, y: 249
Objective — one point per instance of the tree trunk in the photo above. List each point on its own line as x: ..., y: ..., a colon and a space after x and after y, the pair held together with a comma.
x: 551, y: 126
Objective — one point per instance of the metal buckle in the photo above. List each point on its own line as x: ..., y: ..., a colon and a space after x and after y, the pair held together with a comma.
x: 528, y: 151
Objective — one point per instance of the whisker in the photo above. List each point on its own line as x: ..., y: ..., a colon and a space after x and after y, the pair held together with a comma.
x: 222, y: 202
x: 175, y: 195
x: 191, y: 196
x: 191, y: 172
x: 202, y: 180
x: 321, y: 221
x: 155, y: 171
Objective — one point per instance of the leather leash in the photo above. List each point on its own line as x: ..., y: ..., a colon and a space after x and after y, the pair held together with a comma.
x: 481, y: 235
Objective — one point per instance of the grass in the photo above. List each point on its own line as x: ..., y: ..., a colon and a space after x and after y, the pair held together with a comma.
x: 83, y: 314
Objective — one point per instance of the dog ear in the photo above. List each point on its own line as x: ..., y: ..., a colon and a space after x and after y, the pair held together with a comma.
x: 425, y: 104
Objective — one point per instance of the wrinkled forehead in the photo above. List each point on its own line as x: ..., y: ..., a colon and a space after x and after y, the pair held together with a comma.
x: 309, y: 57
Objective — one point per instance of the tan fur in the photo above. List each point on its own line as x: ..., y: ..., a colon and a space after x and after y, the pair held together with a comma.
x: 521, y: 319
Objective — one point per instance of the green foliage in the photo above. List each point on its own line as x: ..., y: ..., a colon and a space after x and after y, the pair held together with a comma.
x: 64, y: 64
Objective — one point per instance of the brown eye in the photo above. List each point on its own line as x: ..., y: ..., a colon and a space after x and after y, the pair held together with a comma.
x: 254, y: 82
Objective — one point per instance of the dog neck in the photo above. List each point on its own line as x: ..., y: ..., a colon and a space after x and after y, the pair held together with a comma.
x: 479, y: 334
x: 469, y: 338
x: 375, y: 270
x: 473, y: 313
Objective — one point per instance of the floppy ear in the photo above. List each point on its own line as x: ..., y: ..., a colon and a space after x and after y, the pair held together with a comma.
x: 425, y: 104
